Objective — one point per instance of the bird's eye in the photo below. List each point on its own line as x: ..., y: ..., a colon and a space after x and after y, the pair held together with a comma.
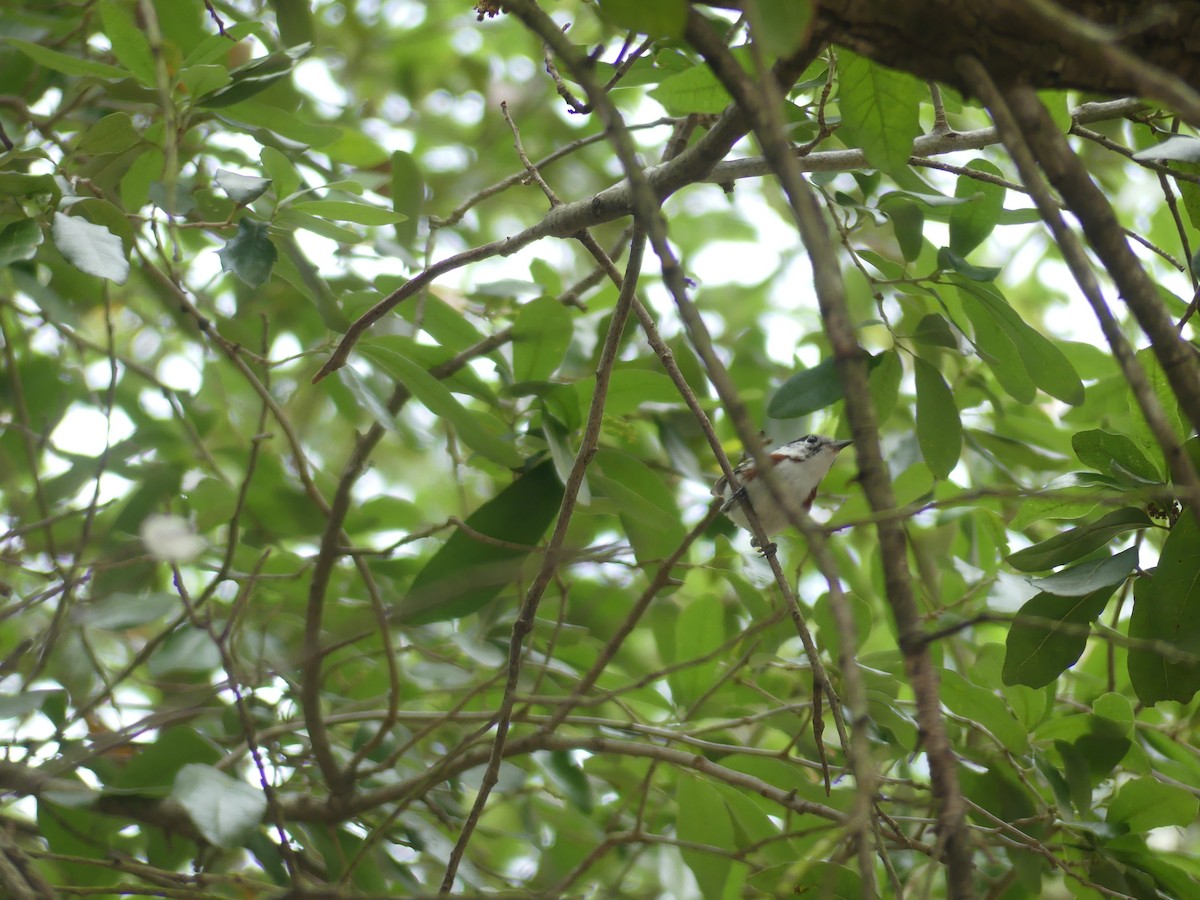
x: 812, y: 439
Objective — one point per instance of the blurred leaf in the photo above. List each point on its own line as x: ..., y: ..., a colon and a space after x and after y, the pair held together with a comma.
x: 225, y: 810
x: 69, y: 65
x: 541, y: 334
x: 250, y: 254
x: 939, y: 430
x: 1101, y: 449
x: 347, y: 211
x: 128, y: 40
x: 692, y: 91
x: 663, y: 18
x: 949, y: 260
x: 786, y: 27
x: 90, y: 248
x: 408, y: 195
x: 474, y: 429
x: 971, y: 223
x: 19, y: 241
x: 646, y: 506
x: 982, y: 706
x: 1144, y: 803
x: 810, y: 390
x: 704, y: 819
x: 112, y: 134
x: 1166, y: 609
x: 154, y: 769
x: 254, y: 78
x: 466, y: 574
x: 1046, y: 365
x: 241, y: 189
x: 1074, y: 543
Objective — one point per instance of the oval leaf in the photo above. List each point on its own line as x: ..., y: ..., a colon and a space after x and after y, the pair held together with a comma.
x: 971, y: 223
x: 541, y: 335
x: 226, y: 811
x: 466, y: 574
x: 1048, y: 636
x: 879, y: 110
x: 90, y: 248
x: 1166, y: 608
x: 939, y: 429
x: 250, y: 255
x: 1077, y: 542
x: 440, y: 401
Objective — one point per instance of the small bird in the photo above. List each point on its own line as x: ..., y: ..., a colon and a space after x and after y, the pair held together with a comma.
x: 799, y: 467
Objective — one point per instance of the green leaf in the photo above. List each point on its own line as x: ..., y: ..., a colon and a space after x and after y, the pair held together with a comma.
x: 908, y: 223
x: 645, y: 504
x: 473, y: 428
x: 69, y: 65
x: 692, y: 91
x: 188, y: 650
x: 112, y: 134
x: 939, y: 429
x: 17, y: 706
x: 1046, y: 365
x: 250, y: 255
x: 120, y: 611
x: 241, y: 189
x: 254, y: 78
x: 934, y: 331
x: 829, y: 881
x: 570, y: 777
x: 225, y: 810
x: 128, y: 40
x: 349, y: 211
x: 19, y: 241
x: 90, y: 248
x: 541, y: 334
x: 971, y: 223
x: 1103, y: 450
x: 629, y: 388
x: 879, y: 108
x: 282, y: 173
x: 1049, y: 635
x: 19, y: 184
x: 1146, y: 803
x: 1088, y: 577
x: 699, y: 630
x: 660, y: 19
x: 883, y: 382
x: 1166, y: 609
x: 981, y: 705
x: 948, y: 259
x: 1077, y: 542
x: 466, y: 574
x: 784, y: 27
x: 255, y: 115
x: 703, y: 818
x: 408, y: 195
x: 196, y: 81
x: 810, y: 390
x: 154, y: 770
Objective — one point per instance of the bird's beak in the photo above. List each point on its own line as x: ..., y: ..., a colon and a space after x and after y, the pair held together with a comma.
x: 838, y: 446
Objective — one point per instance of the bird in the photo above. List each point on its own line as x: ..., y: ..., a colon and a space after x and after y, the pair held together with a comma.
x: 799, y: 467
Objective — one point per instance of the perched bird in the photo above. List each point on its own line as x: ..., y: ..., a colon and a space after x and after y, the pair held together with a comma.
x: 799, y: 467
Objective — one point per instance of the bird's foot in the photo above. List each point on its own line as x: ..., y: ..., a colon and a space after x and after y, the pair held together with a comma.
x: 734, y: 499
x: 764, y: 550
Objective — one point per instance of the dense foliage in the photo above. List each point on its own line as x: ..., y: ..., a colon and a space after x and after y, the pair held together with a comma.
x: 365, y: 369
